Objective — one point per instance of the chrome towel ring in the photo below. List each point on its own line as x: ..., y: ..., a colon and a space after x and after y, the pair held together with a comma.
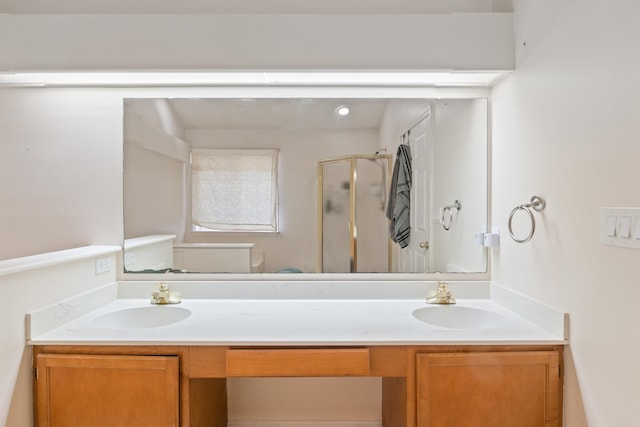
x: 449, y: 208
x: 537, y: 204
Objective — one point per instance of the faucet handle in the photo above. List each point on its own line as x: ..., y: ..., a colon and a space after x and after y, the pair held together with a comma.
x: 163, y: 296
x: 443, y: 295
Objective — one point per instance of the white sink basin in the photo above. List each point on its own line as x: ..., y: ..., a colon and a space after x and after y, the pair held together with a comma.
x: 142, y: 317
x: 457, y: 317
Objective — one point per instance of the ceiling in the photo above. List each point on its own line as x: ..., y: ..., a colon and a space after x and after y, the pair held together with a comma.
x: 281, y: 113
x: 253, y: 6
x: 290, y: 114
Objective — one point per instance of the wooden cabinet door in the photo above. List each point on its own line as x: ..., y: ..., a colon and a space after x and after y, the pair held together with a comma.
x: 109, y: 391
x: 513, y: 389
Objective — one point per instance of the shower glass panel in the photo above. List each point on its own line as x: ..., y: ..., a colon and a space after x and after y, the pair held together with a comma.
x: 353, y: 228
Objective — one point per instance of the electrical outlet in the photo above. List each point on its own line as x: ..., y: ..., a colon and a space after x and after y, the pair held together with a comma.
x: 103, y: 265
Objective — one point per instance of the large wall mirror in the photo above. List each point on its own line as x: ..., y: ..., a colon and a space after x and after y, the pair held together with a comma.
x: 334, y: 175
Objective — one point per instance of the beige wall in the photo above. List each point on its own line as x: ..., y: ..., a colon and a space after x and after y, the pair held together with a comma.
x: 449, y: 41
x: 565, y: 127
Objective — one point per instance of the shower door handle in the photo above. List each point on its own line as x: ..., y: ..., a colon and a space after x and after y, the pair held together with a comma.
x: 424, y: 245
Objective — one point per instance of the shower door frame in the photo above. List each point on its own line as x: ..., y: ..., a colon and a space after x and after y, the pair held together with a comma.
x: 353, y: 236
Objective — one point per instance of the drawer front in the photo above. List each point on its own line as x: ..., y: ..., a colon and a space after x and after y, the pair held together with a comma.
x: 297, y: 362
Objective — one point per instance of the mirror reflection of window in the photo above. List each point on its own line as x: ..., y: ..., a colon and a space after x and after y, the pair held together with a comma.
x: 234, y: 190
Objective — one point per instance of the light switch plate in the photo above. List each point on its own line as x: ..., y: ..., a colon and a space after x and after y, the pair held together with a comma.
x: 626, y: 226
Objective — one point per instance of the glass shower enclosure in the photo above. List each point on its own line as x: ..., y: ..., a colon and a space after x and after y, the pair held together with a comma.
x: 353, y: 231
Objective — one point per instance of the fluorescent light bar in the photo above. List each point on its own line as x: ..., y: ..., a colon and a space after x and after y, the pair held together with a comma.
x: 19, y: 80
x: 148, y: 79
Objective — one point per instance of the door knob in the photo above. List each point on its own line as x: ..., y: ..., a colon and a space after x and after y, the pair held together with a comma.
x: 424, y: 245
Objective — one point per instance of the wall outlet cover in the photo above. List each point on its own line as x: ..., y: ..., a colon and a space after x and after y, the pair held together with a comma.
x: 103, y: 265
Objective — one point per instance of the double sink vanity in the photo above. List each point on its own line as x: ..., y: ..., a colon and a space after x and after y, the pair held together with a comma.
x: 493, y: 358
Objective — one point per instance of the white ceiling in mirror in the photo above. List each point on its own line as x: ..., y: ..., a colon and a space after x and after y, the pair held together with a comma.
x: 302, y: 113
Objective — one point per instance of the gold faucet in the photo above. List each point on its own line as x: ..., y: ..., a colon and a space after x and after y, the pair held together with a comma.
x: 442, y: 296
x: 163, y: 296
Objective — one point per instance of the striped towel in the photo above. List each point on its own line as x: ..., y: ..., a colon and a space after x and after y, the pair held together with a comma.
x: 399, y: 204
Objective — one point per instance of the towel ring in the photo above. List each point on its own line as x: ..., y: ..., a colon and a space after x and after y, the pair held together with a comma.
x: 537, y: 204
x: 449, y: 208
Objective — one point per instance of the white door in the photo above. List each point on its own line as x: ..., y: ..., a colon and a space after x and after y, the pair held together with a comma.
x: 415, y: 258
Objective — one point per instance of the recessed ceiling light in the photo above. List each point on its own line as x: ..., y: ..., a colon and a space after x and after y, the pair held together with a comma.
x: 342, y: 110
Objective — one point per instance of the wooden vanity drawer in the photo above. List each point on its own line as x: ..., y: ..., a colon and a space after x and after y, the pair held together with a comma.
x: 308, y: 362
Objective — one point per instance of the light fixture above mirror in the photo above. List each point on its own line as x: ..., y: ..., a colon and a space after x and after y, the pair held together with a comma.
x: 244, y: 78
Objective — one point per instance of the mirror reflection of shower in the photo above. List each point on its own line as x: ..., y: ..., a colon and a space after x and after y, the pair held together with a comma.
x: 353, y: 230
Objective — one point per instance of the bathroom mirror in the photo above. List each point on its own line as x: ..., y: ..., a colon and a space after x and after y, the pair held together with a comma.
x: 318, y: 183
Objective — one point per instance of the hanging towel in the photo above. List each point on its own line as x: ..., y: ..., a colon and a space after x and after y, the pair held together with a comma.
x: 399, y: 204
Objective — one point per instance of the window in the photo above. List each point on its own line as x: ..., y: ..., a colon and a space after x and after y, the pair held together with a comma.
x: 234, y: 190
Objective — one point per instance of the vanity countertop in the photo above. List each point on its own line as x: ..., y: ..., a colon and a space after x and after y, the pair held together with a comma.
x: 291, y: 321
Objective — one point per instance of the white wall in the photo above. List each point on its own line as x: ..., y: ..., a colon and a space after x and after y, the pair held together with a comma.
x: 60, y: 170
x: 565, y: 127
x: 27, y: 291
x: 323, y: 401
x: 459, y: 164
x: 153, y: 194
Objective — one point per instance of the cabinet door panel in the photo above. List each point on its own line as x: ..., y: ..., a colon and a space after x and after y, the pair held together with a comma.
x: 520, y: 389
x: 109, y: 391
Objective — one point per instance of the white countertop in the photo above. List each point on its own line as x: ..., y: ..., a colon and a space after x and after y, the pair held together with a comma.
x: 262, y: 321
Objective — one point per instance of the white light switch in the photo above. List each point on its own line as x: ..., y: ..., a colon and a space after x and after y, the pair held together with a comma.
x: 610, y: 228
x: 625, y: 226
x: 621, y: 227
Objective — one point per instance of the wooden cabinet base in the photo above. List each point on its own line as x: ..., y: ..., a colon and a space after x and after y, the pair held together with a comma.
x: 422, y: 386
x: 208, y: 402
